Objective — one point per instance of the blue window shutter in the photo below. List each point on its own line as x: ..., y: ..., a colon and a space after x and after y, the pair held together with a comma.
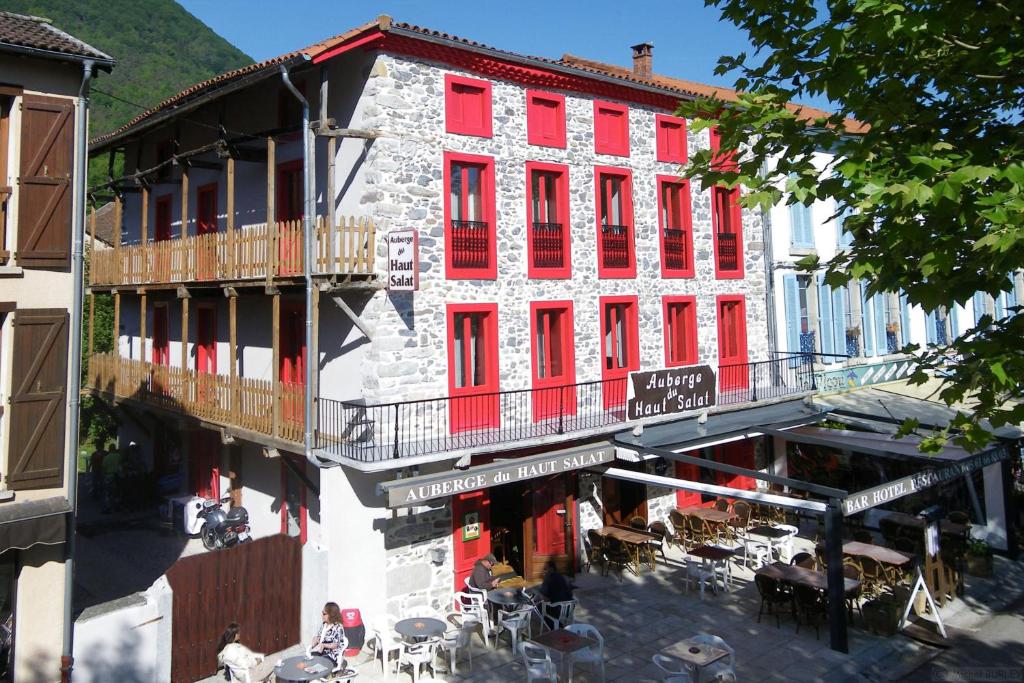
x: 904, y: 319
x: 792, y: 300
x: 843, y: 237
x: 1001, y: 306
x: 839, y: 319
x: 1011, y: 297
x: 954, y: 320
x: 881, y: 347
x: 929, y: 327
x: 978, y: 303
x: 825, y: 319
x: 802, y: 232
x: 867, y: 326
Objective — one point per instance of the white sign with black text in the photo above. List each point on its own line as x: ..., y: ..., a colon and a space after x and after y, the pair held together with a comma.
x: 403, y: 261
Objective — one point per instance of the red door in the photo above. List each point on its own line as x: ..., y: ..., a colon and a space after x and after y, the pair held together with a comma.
x: 206, y: 351
x: 161, y: 354
x: 289, y: 217
x: 161, y: 240
x: 553, y: 525
x: 471, y: 532
x: 206, y: 229
x: 738, y: 454
x: 293, y: 360
x: 733, y: 370
x: 685, y: 499
x: 204, y: 464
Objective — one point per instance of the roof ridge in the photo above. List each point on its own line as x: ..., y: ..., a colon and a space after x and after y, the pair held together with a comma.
x: 30, y: 17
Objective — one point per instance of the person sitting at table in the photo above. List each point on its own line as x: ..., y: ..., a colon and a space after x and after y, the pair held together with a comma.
x: 481, y: 578
x: 242, y: 663
x: 330, y: 642
x: 555, y: 587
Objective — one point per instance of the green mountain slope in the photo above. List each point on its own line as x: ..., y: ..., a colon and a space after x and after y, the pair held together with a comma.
x: 160, y: 49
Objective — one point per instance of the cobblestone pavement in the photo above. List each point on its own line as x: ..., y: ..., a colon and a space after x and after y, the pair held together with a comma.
x: 651, y: 613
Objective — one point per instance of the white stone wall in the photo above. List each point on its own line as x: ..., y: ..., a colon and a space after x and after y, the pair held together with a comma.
x: 404, y: 187
x: 415, y: 584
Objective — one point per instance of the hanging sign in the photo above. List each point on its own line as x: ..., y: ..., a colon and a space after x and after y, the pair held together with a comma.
x: 672, y: 390
x: 403, y: 261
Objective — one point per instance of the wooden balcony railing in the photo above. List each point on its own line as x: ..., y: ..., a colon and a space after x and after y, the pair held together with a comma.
x: 5, y: 194
x: 249, y: 253
x: 244, y: 403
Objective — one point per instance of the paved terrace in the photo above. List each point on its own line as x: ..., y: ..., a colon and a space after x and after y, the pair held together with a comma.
x: 640, y: 616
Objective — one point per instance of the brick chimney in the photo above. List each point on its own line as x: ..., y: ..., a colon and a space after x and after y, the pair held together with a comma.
x: 643, y: 58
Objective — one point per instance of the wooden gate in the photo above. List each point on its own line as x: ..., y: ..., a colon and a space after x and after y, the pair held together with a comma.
x: 257, y: 584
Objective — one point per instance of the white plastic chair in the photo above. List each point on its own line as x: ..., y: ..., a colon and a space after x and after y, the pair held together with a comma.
x: 784, y: 544
x: 703, y: 574
x: 236, y: 675
x: 385, y: 640
x: 538, y: 663
x: 593, y: 655
x: 416, y: 655
x: 562, y: 617
x: 758, y: 551
x: 673, y: 670
x: 473, y: 608
x: 723, y: 669
x: 515, y: 622
x: 470, y: 588
x: 457, y: 640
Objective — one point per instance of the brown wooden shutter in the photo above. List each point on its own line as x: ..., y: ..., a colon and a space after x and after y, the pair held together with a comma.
x: 44, y: 193
x: 38, y: 399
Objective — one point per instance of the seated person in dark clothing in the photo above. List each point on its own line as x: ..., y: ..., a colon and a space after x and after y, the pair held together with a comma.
x: 554, y: 588
x: 481, y: 577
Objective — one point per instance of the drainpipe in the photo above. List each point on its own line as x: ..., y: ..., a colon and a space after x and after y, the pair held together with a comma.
x: 309, y: 207
x: 769, y: 283
x: 75, y: 352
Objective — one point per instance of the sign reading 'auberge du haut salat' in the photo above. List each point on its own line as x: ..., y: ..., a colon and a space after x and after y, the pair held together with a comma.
x: 673, y: 390
x: 403, y: 261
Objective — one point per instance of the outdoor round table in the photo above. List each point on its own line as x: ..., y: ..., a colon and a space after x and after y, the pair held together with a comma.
x: 420, y: 627
x: 768, y: 531
x: 506, y: 597
x: 303, y: 668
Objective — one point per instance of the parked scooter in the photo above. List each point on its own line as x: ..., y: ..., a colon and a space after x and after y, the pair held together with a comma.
x: 223, y: 529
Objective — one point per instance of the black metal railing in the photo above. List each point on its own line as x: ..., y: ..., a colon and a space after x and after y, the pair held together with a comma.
x: 548, y: 245
x: 470, y: 244
x: 615, y: 246
x: 728, y: 251
x: 378, y: 432
x: 675, y: 249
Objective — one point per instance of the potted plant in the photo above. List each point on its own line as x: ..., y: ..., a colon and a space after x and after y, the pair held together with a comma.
x: 892, y: 328
x: 979, y: 558
x: 853, y: 332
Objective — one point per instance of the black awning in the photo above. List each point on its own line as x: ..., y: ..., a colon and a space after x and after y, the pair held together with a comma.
x: 691, y: 433
x: 33, y: 522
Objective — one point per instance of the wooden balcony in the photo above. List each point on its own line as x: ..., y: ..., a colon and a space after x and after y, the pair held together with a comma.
x: 241, y: 403
x: 251, y: 253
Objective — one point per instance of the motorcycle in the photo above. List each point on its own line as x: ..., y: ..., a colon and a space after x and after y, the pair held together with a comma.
x: 223, y: 529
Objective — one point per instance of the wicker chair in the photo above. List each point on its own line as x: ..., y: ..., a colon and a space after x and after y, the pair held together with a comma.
x: 662, y: 531
x: 721, y: 504
x: 874, y: 578
x: 679, y: 529
x: 773, y: 595
x: 618, y: 556
x: 638, y: 522
x: 597, y: 551
x: 695, y: 532
x: 811, y: 608
x: 852, y: 570
x: 805, y: 560
x: 743, y: 512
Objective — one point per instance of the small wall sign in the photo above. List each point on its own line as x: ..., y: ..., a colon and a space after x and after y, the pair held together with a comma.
x: 672, y: 390
x: 403, y: 260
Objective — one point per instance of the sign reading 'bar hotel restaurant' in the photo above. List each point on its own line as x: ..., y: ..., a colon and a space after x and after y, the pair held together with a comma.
x: 869, y: 498
x: 414, y: 491
x: 673, y: 390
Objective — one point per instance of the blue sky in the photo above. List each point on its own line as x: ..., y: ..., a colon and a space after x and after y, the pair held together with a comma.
x: 688, y: 37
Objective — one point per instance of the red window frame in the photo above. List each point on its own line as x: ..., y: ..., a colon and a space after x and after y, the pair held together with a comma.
x: 206, y: 209
x: 611, y: 128
x: 679, y: 314
x: 553, y: 395
x: 206, y: 338
x: 162, y: 218
x: 603, y: 271
x: 536, y: 267
x: 615, y: 392
x: 303, y: 511
x: 686, y: 226
x: 729, y: 206
x: 460, y: 91
x: 670, y: 137
x: 474, y: 413
x: 738, y: 377
x: 720, y: 161
x: 490, y: 271
x: 160, y: 354
x: 545, y: 125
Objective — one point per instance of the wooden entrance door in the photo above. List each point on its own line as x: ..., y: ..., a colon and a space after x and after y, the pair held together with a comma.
x: 685, y: 499
x: 733, y: 369
x: 161, y: 240
x: 550, y: 527
x: 204, y: 464
x: 624, y: 500
x: 471, y: 532
x: 206, y: 352
x: 206, y: 232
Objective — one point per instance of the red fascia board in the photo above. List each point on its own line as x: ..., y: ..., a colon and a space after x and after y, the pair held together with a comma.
x: 366, y: 40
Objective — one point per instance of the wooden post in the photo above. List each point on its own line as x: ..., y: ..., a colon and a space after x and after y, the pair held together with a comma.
x: 117, y: 239
x: 92, y: 245
x: 271, y: 225
x: 186, y: 273
x: 331, y: 218
x: 184, y: 333
x: 835, y: 577
x: 144, y: 223
x: 142, y: 326
x: 92, y: 314
x: 276, y: 363
x: 117, y: 324
x: 233, y: 354
x: 231, y: 219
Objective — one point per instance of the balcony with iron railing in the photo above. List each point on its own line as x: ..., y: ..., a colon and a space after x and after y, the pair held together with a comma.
x: 615, y: 246
x: 375, y: 433
x: 249, y: 253
x: 675, y: 249
x: 728, y: 252
x: 548, y: 245
x: 470, y: 244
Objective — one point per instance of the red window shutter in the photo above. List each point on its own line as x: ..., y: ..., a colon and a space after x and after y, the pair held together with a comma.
x: 38, y: 399
x: 545, y: 119
x: 467, y: 106
x: 611, y: 128
x: 44, y: 194
x: 671, y: 139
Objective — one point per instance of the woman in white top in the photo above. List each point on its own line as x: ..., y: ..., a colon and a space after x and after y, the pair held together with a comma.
x: 244, y: 665
x: 330, y: 641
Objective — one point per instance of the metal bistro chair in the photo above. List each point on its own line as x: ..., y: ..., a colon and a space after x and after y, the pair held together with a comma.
x: 597, y: 551
x: 811, y: 607
x: 538, y: 663
x: 805, y: 560
x: 773, y: 595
